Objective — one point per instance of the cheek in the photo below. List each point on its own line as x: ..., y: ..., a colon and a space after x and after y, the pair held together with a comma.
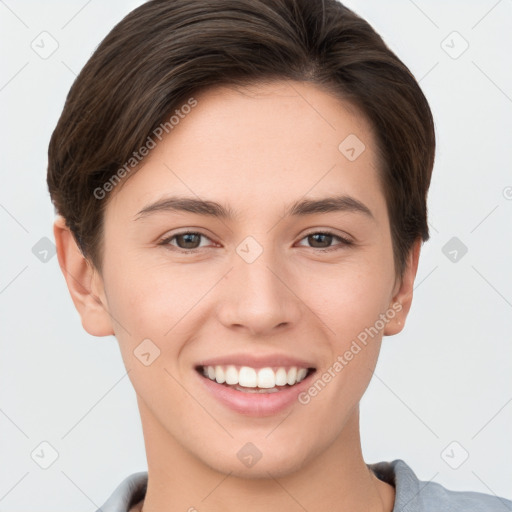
x: 149, y: 310
x: 349, y: 298
x: 350, y: 302
x: 356, y: 337
x: 150, y: 300
x: 351, y: 307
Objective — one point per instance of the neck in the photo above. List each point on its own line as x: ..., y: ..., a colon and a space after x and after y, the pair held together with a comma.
x: 337, y: 479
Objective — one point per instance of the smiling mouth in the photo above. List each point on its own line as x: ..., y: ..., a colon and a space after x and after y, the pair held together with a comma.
x: 252, y: 380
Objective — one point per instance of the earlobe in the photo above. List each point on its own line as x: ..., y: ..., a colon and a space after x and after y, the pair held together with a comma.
x: 84, y: 282
x: 402, y: 299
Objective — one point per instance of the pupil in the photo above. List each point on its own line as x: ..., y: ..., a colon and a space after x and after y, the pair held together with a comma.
x: 187, y: 237
x: 322, y: 235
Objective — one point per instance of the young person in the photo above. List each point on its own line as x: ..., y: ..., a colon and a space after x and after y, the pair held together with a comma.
x: 241, y: 188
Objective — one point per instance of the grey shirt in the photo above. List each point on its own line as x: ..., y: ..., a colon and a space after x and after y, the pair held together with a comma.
x: 411, y: 494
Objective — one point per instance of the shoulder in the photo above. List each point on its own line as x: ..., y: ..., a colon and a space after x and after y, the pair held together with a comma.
x: 414, y: 495
x: 131, y: 490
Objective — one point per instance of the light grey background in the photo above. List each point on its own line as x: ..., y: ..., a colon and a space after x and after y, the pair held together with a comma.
x: 445, y: 379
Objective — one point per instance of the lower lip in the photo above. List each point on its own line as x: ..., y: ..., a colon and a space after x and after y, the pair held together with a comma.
x: 255, y: 404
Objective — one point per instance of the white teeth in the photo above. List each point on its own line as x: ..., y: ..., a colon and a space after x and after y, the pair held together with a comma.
x: 247, y: 377
x: 231, y: 375
x: 266, y: 378
x: 292, y: 376
x: 281, y: 377
x: 219, y: 374
x: 301, y: 374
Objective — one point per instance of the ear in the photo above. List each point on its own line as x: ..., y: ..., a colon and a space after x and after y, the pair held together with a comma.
x: 84, y: 282
x: 402, y: 294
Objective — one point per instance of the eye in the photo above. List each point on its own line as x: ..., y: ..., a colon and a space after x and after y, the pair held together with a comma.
x: 190, y: 241
x: 186, y: 241
x: 324, y: 238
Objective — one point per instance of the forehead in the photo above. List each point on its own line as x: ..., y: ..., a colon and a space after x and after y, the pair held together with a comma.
x: 263, y: 143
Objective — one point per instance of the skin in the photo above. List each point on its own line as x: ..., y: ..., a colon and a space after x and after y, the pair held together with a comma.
x: 255, y: 150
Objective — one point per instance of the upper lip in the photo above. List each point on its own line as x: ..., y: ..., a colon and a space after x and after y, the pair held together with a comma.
x: 263, y: 361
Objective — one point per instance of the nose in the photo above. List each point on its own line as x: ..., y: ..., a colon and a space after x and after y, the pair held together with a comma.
x: 259, y: 297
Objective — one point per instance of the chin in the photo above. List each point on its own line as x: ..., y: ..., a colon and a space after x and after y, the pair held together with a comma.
x: 256, y: 460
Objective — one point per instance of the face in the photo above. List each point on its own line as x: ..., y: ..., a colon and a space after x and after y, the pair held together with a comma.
x: 267, y: 289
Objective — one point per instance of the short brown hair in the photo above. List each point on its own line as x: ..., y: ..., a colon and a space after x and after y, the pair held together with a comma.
x: 166, y: 50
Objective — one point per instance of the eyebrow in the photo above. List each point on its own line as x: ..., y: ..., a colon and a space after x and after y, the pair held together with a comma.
x: 343, y: 203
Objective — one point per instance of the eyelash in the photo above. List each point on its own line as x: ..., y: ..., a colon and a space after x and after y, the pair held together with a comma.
x: 344, y: 241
